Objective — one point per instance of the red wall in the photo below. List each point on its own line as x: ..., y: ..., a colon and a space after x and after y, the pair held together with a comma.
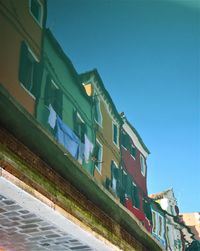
x: 132, y: 167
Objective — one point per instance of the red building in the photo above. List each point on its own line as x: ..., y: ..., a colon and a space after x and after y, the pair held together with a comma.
x: 134, y: 154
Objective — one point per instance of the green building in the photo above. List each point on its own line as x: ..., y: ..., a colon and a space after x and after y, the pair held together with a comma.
x: 63, y: 106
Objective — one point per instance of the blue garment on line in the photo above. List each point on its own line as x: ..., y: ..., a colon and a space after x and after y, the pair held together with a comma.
x: 67, y: 138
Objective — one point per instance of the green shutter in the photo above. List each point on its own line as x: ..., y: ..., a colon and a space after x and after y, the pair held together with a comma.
x: 36, y: 80
x: 47, y: 91
x: 58, y: 102
x: 75, y: 129
x: 147, y: 210
x: 129, y: 186
x: 23, y: 63
x: 135, y: 196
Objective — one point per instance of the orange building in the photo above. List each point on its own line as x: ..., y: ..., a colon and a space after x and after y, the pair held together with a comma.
x: 21, y: 34
x: 107, y: 123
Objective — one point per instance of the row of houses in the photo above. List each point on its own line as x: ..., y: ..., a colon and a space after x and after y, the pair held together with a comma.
x: 79, y: 114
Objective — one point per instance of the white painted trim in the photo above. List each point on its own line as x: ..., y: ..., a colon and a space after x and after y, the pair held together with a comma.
x: 98, y: 103
x: 116, y: 144
x: 100, y: 95
x: 36, y: 59
x: 135, y: 139
x: 79, y: 116
x: 135, y: 150
x: 99, y: 161
x: 34, y: 205
x: 55, y: 85
x: 29, y: 93
x: 115, y: 164
x: 42, y: 13
x: 124, y: 147
x: 143, y: 159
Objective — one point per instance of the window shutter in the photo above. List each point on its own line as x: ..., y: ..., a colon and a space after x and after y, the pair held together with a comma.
x: 135, y: 197
x: 59, y: 102
x: 148, y: 210
x: 75, y: 122
x: 83, y: 132
x: 129, y: 186
x: 23, y: 63
x: 36, y: 80
x: 47, y: 92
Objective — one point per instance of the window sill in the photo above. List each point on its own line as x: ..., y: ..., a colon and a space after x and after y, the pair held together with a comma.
x: 30, y: 94
x: 99, y: 171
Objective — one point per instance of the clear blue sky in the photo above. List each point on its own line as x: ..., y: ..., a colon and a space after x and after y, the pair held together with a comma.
x: 148, y: 55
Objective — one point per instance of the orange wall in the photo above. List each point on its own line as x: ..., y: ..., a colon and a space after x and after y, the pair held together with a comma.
x: 16, y: 25
x: 110, y: 150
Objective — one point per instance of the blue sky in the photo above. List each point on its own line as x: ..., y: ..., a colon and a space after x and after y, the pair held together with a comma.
x: 147, y: 53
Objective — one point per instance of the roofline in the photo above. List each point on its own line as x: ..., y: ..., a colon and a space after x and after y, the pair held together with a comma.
x: 137, y: 135
x: 67, y: 61
x: 100, y: 81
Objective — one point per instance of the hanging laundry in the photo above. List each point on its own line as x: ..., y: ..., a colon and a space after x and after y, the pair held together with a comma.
x: 67, y: 138
x: 88, y: 148
x: 52, y: 117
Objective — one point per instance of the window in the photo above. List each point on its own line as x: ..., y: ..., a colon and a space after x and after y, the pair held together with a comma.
x: 135, y: 196
x: 115, y: 134
x: 53, y: 95
x: 160, y: 220
x: 80, y: 127
x: 142, y: 165
x: 97, y: 115
x: 114, y: 176
x: 28, y: 70
x: 154, y: 221
x: 124, y: 140
x: 98, y: 156
x: 172, y: 209
x: 133, y: 151
x: 36, y: 10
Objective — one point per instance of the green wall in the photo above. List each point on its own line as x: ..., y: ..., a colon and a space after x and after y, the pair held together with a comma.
x: 74, y: 97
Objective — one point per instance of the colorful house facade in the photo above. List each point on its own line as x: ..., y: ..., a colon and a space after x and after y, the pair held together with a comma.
x: 63, y: 106
x: 178, y: 235
x: 134, y: 154
x: 22, y: 25
x: 107, y: 127
x: 159, y: 224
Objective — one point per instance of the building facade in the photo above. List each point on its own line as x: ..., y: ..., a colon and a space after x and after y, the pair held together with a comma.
x: 107, y: 127
x: 134, y: 154
x: 63, y: 107
x: 178, y: 235
x: 21, y: 46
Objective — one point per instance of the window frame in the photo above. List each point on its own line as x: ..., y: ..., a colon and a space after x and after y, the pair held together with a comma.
x: 98, y: 110
x: 39, y: 22
x: 117, y: 167
x: 124, y: 134
x: 160, y: 226
x: 98, y: 163
x: 142, y: 165
x: 132, y: 146
x: 35, y: 60
x: 113, y: 131
x: 82, y: 123
x: 154, y: 226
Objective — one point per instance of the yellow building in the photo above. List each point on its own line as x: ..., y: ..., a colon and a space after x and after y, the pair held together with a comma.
x: 21, y: 31
x: 107, y: 123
